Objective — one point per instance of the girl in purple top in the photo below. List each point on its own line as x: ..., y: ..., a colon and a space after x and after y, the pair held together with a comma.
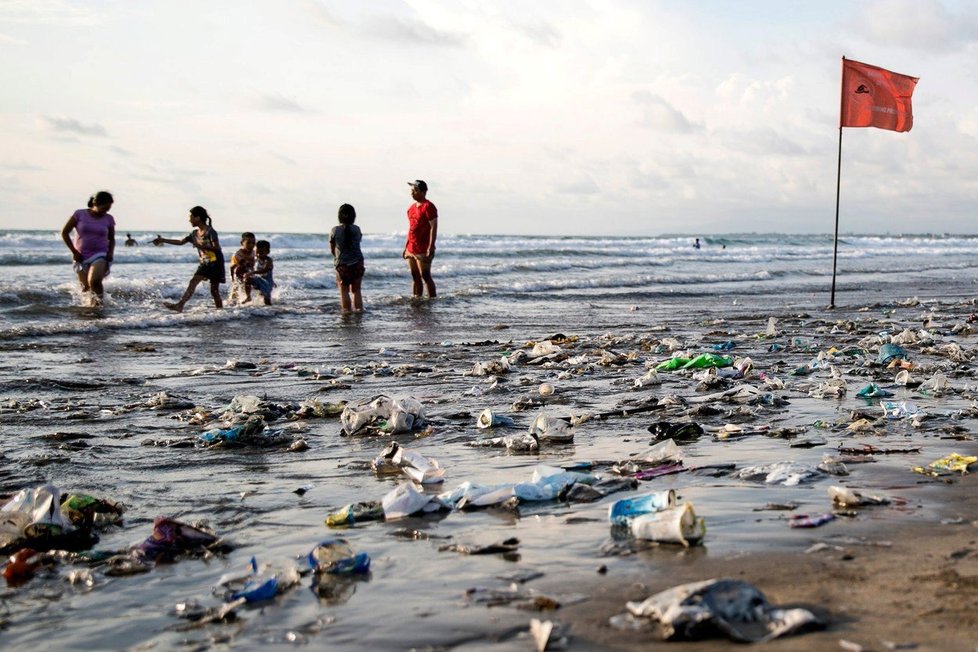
x: 94, y: 242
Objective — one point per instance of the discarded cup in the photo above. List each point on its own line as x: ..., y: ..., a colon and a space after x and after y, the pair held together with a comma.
x: 622, y: 512
x: 671, y: 525
x: 489, y: 419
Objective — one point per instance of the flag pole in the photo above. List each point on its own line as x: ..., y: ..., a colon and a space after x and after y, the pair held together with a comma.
x: 838, y: 186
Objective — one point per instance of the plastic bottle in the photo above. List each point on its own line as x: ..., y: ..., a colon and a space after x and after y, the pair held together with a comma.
x: 621, y: 512
x: 336, y: 557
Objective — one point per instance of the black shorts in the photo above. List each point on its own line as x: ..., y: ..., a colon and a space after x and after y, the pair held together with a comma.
x: 347, y: 274
x: 212, y: 271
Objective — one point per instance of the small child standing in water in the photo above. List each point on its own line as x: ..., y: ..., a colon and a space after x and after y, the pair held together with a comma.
x: 242, y: 263
x: 261, y: 277
x: 344, y: 243
x: 211, y: 268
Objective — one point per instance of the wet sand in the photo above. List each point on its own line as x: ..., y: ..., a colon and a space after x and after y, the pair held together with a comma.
x: 908, y: 586
x: 416, y: 597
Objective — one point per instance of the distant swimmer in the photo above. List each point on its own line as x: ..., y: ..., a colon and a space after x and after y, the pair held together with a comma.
x: 94, y: 241
x: 129, y: 241
x: 419, y: 249
x: 696, y: 245
x: 211, y: 268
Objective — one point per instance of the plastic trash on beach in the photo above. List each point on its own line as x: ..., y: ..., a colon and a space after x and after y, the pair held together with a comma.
x: 678, y: 524
x: 336, y: 557
x: 936, y: 384
x: 551, y: 429
x: 904, y: 379
x: 491, y: 368
x: 847, y: 497
x: 405, y: 500
x: 809, y: 520
x: 86, y: 511
x: 406, y: 414
x: 772, y: 327
x: 665, y: 451
x: 650, y: 377
x: 33, y: 514
x: 171, y: 537
x: 683, y: 431
x: 401, y: 415
x: 731, y: 608
x: 546, y: 483
x: 543, y: 349
x: 951, y: 463
x: 834, y: 388
x: 890, y: 352
x: 899, y: 409
x: 872, y: 390
x: 354, y: 513
x: 258, y: 585
x: 489, y: 419
x: 622, y: 512
x: 414, y: 465
x: 786, y: 473
x: 253, y: 432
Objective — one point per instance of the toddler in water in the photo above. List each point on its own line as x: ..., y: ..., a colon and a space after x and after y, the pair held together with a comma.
x: 242, y: 263
x: 261, y: 277
x: 344, y: 243
x: 211, y: 268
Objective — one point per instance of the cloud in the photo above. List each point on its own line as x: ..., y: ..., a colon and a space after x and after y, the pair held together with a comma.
x: 10, y: 40
x: 925, y: 25
x: 28, y: 12
x: 23, y: 166
x: 540, y: 33
x: 279, y: 104
x: 658, y: 114
x: 61, y: 124
x: 584, y: 185
x: 410, y: 30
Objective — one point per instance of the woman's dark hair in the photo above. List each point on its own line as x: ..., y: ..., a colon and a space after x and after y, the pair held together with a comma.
x: 347, y: 214
x: 100, y: 198
x: 200, y: 211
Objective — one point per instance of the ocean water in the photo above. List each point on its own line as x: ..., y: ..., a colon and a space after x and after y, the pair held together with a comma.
x: 89, y: 374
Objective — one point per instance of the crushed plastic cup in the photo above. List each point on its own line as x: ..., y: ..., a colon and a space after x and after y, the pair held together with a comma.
x: 550, y: 428
x: 489, y: 419
x: 622, y: 512
x: 664, y: 451
x: 546, y: 389
x: 671, y: 525
x: 336, y: 557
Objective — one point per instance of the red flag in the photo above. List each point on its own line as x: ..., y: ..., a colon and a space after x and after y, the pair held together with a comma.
x: 874, y: 97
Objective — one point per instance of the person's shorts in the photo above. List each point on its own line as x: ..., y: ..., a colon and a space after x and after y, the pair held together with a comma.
x: 263, y: 285
x: 212, y: 271
x: 347, y: 274
x: 86, y: 264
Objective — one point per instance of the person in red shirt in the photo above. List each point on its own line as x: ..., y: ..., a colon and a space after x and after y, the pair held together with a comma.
x: 420, y: 246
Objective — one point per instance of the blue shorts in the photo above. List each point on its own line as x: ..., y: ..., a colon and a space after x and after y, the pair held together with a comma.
x: 86, y: 264
x: 263, y: 285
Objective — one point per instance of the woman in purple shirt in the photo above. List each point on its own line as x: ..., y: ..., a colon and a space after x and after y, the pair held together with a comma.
x: 94, y: 242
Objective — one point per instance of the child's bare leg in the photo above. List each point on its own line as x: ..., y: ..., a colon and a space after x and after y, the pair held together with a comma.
x: 344, y: 296
x: 189, y: 292
x: 248, y: 291
x: 357, y: 298
x: 216, y: 293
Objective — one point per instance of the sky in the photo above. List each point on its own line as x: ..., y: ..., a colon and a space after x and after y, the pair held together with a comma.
x: 600, y: 117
